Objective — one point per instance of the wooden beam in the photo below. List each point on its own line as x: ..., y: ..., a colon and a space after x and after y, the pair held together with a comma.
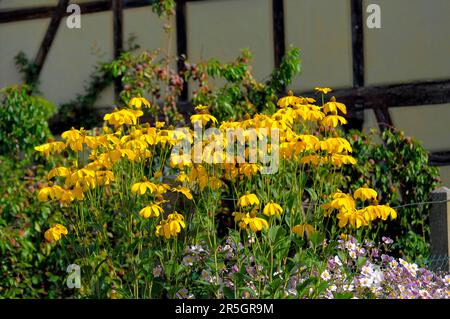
x: 356, y: 8
x: 383, y: 117
x: 180, y: 12
x: 441, y: 158
x: 53, y: 26
x: 395, y: 95
x: 279, y: 47
x: 117, y: 7
x: 13, y: 15
x: 357, y: 42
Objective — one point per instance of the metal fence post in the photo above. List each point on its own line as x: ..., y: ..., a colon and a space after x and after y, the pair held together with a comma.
x: 440, y: 229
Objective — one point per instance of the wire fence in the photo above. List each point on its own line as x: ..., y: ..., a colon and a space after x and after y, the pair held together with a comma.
x: 395, y: 207
x: 438, y: 263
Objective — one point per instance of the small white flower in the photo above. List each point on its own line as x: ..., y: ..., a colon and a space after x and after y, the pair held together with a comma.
x: 337, y: 260
x: 393, y: 264
x: 333, y: 288
x: 366, y: 282
x: 276, y: 273
x: 367, y: 270
x: 352, y: 254
x: 447, y: 280
x: 348, y: 287
x: 325, y: 275
x: 350, y: 246
x: 188, y: 260
x: 424, y: 294
x: 404, y: 263
x: 377, y: 277
x: 412, y: 270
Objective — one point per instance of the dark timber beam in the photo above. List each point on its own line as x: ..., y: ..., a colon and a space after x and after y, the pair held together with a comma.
x: 117, y: 7
x: 395, y: 95
x: 53, y: 26
x: 12, y: 15
x: 357, y: 42
x: 279, y: 46
x: 180, y: 12
x: 439, y: 158
x: 356, y: 8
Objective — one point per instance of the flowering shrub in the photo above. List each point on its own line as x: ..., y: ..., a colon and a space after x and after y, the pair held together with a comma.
x: 154, y: 211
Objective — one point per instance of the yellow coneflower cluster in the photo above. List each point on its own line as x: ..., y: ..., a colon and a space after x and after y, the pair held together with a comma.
x: 124, y: 140
x: 349, y: 214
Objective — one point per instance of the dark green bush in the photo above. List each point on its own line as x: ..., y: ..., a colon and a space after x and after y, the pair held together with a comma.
x: 23, y: 121
x: 397, y: 167
x: 29, y: 267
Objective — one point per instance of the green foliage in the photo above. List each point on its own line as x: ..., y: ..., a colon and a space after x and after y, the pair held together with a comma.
x: 28, y: 70
x: 23, y: 121
x: 163, y: 7
x: 30, y: 268
x: 228, y: 89
x: 398, y: 169
x: 240, y: 94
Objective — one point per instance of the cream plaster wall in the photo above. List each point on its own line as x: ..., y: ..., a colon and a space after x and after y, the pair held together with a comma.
x: 322, y: 30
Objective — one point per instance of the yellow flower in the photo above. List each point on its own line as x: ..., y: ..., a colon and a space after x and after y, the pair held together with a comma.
x: 249, y: 169
x: 245, y: 219
x: 333, y: 120
x: 323, y: 90
x: 138, y: 101
x: 200, y: 107
x: 92, y: 142
x: 141, y: 188
x: 180, y: 160
x: 378, y: 211
x: 200, y: 175
x: 303, y: 229
x: 256, y: 224
x: 288, y: 100
x: 55, y: 233
x: 353, y: 218
x: 386, y: 211
x: 247, y: 200
x: 58, y: 171
x: 342, y: 202
x: 152, y: 210
x: 84, y: 177
x: 239, y: 217
x: 52, y: 147
x: 339, y: 159
x: 104, y: 177
x: 333, y: 106
x: 183, y: 190
x: 160, y: 124
x: 215, y: 183
x: 171, y: 226
x: 121, y: 117
x: 50, y: 192
x: 310, y: 159
x: 334, y: 145
x: 162, y: 189
x: 365, y: 193
x: 74, y: 138
x: 204, y: 118
x: 272, y: 209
